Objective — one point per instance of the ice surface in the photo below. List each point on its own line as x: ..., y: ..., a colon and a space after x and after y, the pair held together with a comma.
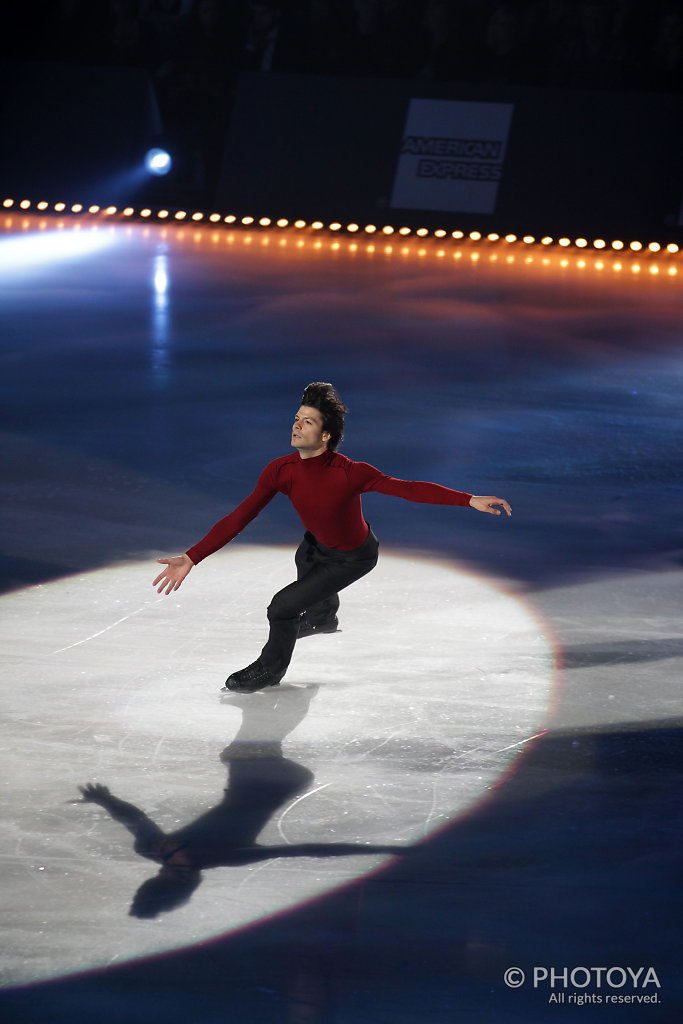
x: 380, y: 734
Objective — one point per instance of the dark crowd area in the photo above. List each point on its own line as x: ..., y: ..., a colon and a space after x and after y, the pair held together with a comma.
x: 588, y: 44
x: 194, y: 50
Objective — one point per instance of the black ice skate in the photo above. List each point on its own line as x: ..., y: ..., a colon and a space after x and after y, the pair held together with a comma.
x: 254, y: 677
x: 307, y: 628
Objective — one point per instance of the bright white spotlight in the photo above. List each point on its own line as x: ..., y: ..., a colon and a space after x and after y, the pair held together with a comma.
x: 158, y: 161
x: 439, y: 753
x: 26, y: 254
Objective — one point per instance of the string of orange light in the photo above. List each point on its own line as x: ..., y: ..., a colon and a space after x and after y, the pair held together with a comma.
x: 232, y: 220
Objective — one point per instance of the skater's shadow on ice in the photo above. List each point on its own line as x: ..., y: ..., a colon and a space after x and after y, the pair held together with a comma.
x: 260, y: 780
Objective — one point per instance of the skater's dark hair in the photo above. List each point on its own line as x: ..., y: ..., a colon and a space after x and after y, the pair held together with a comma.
x: 325, y: 399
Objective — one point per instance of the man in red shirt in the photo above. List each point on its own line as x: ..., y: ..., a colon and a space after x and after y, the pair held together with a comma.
x: 338, y: 547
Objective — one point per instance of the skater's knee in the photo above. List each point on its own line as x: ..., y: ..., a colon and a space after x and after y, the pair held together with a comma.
x: 281, y: 608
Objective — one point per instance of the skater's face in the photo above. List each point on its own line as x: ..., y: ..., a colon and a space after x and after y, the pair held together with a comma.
x: 308, y: 436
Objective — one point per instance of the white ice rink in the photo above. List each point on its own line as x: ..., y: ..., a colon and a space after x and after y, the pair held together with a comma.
x: 386, y: 730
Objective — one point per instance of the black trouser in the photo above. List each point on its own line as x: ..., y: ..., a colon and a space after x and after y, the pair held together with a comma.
x: 322, y: 572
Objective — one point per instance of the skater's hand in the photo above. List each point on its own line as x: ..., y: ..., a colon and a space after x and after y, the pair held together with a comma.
x: 173, y: 575
x: 487, y: 503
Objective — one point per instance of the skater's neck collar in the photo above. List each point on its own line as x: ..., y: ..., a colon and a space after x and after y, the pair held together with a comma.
x: 312, y: 460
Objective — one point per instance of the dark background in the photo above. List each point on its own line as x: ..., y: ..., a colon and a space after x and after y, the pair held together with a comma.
x: 296, y: 108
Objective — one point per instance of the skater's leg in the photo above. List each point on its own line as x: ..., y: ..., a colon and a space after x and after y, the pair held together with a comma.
x: 332, y: 571
x: 323, y: 613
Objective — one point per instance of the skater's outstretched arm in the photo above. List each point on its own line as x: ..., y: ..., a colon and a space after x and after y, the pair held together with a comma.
x: 148, y: 835
x: 173, y: 575
x: 363, y: 478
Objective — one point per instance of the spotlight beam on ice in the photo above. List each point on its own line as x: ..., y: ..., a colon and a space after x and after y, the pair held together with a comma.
x: 22, y: 254
x: 390, y: 734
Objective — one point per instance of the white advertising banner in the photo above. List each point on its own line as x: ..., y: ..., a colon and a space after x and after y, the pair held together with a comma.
x: 452, y: 155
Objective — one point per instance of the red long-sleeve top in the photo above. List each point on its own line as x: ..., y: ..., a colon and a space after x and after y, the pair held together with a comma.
x: 326, y: 493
